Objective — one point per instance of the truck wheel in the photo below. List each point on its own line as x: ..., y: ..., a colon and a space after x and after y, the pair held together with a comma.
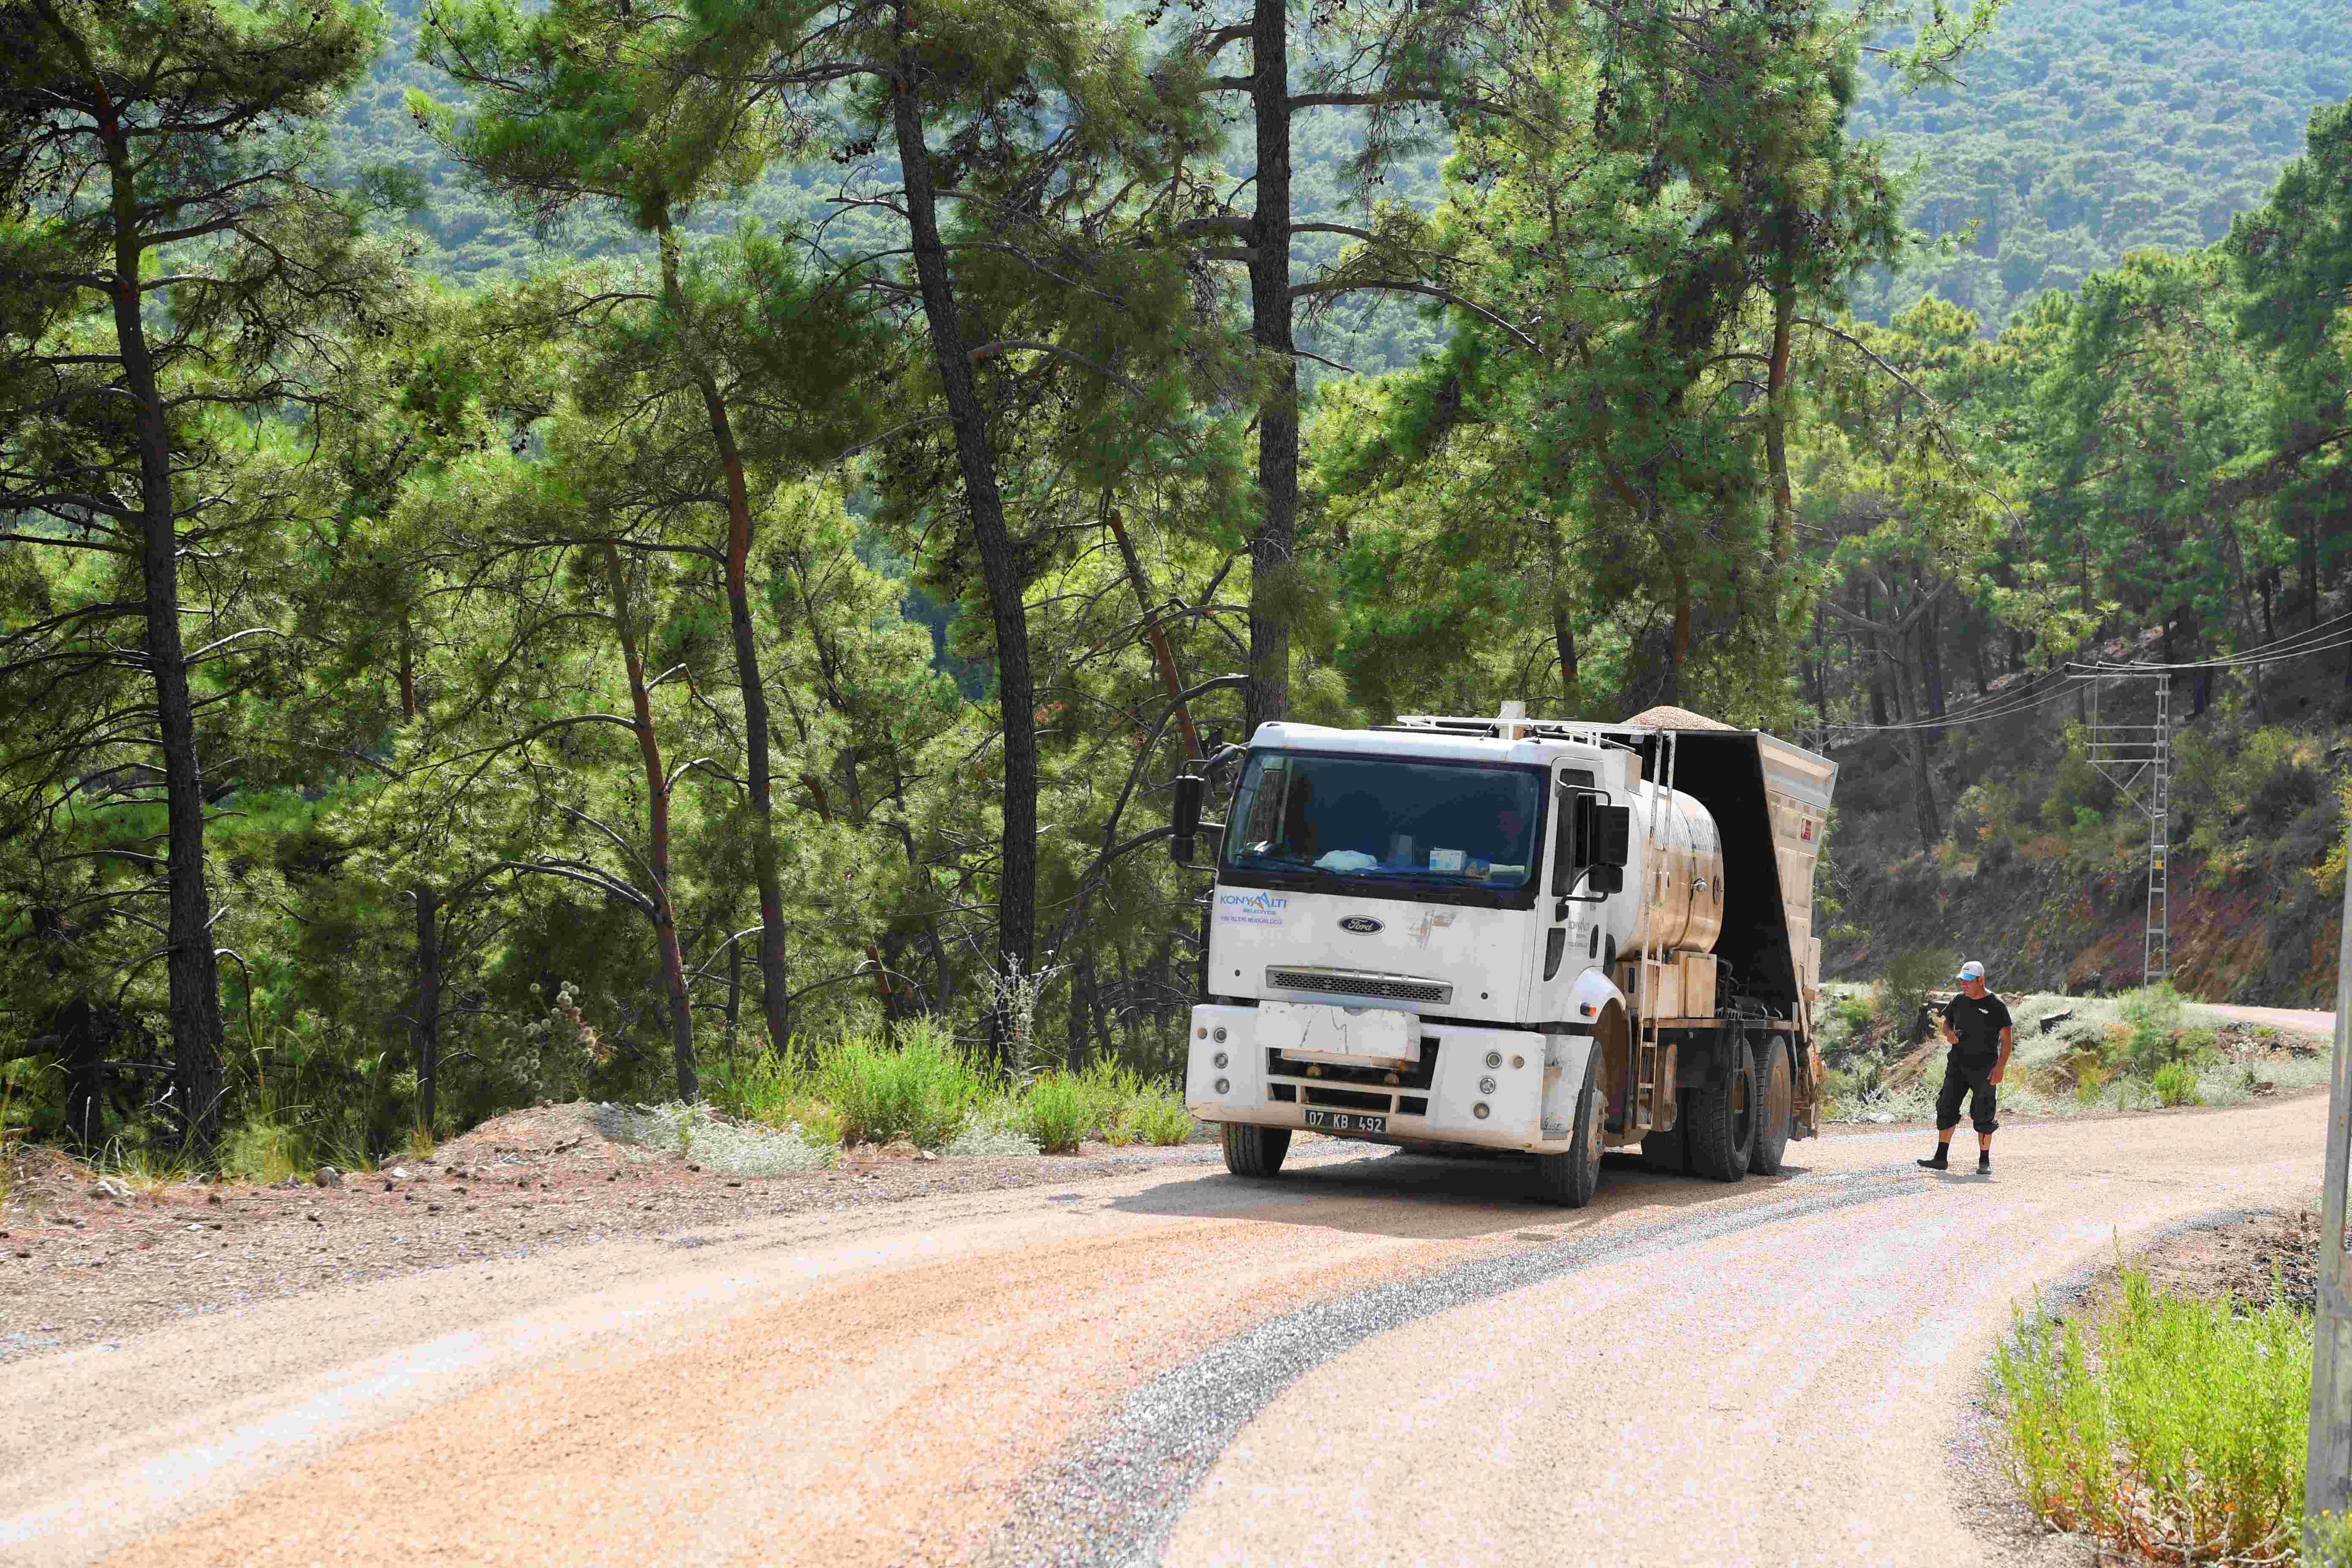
x: 1254, y: 1151
x: 1570, y: 1178
x: 1776, y: 1103
x: 1721, y: 1115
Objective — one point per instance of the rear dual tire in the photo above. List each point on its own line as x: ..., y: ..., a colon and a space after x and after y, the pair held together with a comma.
x: 1776, y: 1105
x: 1715, y: 1133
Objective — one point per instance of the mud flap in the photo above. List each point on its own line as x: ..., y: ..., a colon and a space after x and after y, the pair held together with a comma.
x: 1563, y: 1077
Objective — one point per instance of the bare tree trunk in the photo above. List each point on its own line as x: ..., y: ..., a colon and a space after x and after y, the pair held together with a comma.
x: 1563, y: 624
x: 734, y: 998
x: 775, y: 981
x: 1777, y: 399
x: 424, y: 1022
x: 192, y: 970
x: 1878, y: 715
x: 1161, y: 653
x: 1274, y: 547
x: 1923, y: 793
x: 1000, y: 560
x: 664, y: 916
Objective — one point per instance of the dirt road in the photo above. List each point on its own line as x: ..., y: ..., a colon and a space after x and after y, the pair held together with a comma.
x: 2294, y: 1020
x: 1378, y: 1358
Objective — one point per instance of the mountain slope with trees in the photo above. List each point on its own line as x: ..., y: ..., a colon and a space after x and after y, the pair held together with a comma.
x: 384, y: 652
x: 2083, y: 130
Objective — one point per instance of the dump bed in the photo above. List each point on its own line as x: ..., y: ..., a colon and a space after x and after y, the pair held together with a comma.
x: 1770, y: 802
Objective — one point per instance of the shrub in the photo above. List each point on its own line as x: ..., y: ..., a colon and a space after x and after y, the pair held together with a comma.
x: 1110, y: 1091
x: 1909, y: 976
x: 1057, y: 1111
x: 2150, y: 1036
x: 2175, y: 1084
x: 1161, y: 1119
x: 2170, y: 1428
x: 923, y: 1090
x: 2090, y: 1079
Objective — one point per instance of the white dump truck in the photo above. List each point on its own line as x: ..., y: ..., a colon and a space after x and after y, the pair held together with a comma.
x: 1513, y: 936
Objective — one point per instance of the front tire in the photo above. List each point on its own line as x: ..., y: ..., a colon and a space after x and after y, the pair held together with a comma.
x: 1571, y: 1178
x: 1255, y: 1151
x: 1776, y: 1105
x: 1721, y: 1117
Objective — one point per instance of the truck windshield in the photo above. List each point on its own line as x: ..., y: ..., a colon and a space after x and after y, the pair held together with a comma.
x: 1370, y: 819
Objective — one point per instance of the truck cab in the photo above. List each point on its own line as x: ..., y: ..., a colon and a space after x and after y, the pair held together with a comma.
x: 1501, y: 936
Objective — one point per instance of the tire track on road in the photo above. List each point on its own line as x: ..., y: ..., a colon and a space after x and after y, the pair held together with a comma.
x: 1114, y: 1494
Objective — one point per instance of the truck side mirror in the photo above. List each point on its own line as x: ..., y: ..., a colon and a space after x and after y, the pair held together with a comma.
x: 1606, y: 879
x: 1184, y: 817
x: 1613, y: 839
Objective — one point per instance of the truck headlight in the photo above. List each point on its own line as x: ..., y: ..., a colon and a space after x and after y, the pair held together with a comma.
x: 1223, y: 1086
x: 1220, y: 1035
x: 1219, y: 1058
x: 1485, y: 1086
x: 1494, y: 1059
x: 1479, y: 1111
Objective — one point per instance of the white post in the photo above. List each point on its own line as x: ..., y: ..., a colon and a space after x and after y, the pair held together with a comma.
x: 2327, y: 1475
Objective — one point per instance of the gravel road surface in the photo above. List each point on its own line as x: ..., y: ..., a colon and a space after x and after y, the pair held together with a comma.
x: 2293, y: 1019
x: 1379, y: 1358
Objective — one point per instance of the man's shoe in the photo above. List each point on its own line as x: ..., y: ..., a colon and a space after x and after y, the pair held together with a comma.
x: 1984, y: 1162
x: 1942, y: 1161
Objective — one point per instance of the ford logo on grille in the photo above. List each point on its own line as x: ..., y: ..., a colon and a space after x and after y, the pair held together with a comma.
x: 1362, y: 925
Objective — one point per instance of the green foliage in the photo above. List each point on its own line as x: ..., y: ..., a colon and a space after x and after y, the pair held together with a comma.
x: 2163, y: 1425
x: 1159, y: 1117
x: 2175, y: 1084
x: 2086, y: 130
x: 923, y: 1088
x: 1058, y: 1111
x: 2152, y: 1037
x: 1904, y: 984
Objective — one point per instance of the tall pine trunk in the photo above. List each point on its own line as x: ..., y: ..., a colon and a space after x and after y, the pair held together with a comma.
x: 192, y: 970
x: 664, y: 916
x: 1000, y: 566
x: 1777, y: 398
x: 424, y: 1024
x: 1275, y: 545
x: 775, y: 985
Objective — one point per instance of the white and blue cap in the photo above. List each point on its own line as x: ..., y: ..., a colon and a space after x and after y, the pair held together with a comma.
x: 1971, y: 970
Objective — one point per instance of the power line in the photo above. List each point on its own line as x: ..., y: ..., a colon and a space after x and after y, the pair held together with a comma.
x: 2073, y: 673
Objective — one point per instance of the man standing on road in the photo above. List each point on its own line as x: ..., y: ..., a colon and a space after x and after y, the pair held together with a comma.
x: 1976, y: 1026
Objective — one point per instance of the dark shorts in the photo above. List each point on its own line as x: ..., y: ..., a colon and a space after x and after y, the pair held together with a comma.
x: 1971, y: 1076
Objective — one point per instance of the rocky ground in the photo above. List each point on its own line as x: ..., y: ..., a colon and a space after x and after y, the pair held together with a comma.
x: 90, y: 1260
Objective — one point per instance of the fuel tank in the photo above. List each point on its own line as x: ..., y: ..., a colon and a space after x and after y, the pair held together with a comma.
x: 1681, y: 887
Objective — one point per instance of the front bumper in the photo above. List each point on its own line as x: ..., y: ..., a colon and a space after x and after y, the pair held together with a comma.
x: 1263, y: 1089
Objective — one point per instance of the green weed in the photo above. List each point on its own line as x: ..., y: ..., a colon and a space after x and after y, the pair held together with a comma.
x: 2170, y: 1428
x: 1161, y: 1119
x: 1058, y: 1111
x: 2175, y: 1084
x: 923, y: 1090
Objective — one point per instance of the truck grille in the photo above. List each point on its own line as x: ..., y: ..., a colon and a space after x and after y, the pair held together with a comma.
x: 1356, y: 982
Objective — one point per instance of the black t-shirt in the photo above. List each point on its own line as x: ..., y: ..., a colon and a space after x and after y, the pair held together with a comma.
x: 1979, y: 1023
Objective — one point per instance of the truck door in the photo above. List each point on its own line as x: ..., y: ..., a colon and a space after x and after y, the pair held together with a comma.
x: 1571, y: 929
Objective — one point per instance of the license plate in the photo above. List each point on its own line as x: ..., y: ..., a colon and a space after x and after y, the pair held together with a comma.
x: 1346, y: 1121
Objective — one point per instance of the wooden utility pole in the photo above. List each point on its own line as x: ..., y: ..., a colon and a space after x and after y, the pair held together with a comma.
x: 2327, y: 1476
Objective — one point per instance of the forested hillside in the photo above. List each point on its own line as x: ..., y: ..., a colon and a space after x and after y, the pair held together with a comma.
x: 2077, y: 131
x: 436, y: 679
x: 2085, y: 129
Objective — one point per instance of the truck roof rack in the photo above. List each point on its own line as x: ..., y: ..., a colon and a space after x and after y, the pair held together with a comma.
x: 1508, y: 727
